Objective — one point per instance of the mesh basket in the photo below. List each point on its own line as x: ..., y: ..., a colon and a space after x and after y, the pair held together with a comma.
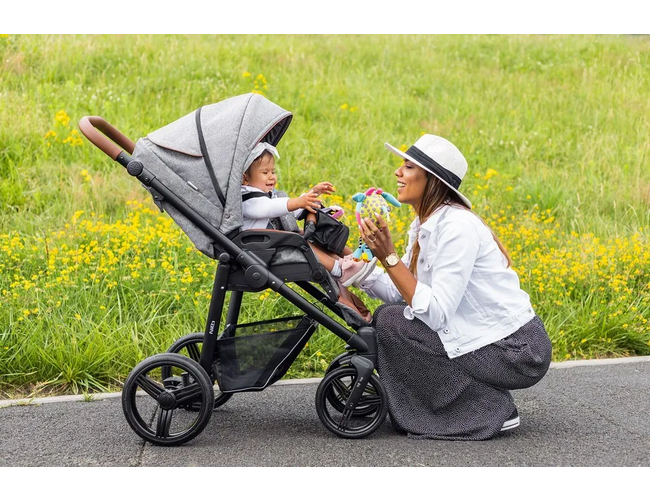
x: 254, y: 355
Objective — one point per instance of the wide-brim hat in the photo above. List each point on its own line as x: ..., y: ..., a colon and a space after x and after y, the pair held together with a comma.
x: 439, y: 157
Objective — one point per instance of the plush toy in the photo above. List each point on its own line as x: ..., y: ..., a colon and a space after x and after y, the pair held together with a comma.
x: 374, y: 200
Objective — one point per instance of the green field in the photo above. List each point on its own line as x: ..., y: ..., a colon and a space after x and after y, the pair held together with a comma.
x: 556, y: 130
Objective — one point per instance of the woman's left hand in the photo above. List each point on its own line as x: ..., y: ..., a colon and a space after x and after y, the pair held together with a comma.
x: 378, y: 239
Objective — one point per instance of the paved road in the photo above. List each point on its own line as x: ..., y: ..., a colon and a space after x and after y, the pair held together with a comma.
x: 579, y: 416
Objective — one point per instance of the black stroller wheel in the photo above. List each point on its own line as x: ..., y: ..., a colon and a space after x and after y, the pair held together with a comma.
x: 342, y: 359
x: 152, y: 414
x: 336, y: 386
x: 337, y: 398
x: 191, y: 346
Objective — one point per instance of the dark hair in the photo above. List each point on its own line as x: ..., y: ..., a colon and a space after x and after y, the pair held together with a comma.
x: 257, y: 161
x: 436, y: 194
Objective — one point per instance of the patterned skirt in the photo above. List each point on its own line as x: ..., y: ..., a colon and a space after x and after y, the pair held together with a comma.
x: 465, y: 398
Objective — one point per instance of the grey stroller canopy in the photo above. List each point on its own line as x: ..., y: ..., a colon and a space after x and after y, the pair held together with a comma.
x: 202, y: 158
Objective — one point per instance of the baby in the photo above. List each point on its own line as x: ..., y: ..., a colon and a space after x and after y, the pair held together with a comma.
x: 262, y: 211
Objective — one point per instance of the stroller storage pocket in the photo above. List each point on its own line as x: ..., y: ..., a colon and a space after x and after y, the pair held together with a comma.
x: 255, y: 355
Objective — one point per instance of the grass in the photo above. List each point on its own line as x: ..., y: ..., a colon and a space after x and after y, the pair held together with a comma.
x: 555, y: 129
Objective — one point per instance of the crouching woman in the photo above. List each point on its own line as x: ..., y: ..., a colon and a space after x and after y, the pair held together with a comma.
x: 467, y: 333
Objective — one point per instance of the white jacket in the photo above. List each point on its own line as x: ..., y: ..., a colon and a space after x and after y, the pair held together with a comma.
x: 464, y: 291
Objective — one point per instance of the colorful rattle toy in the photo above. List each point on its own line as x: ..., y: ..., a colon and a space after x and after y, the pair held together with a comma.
x: 374, y: 200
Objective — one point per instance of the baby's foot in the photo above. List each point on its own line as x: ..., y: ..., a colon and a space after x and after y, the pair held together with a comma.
x: 354, y: 271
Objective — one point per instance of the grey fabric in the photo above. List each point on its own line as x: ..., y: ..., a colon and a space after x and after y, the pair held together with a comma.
x: 352, y: 316
x: 288, y: 221
x: 287, y: 255
x: 465, y: 398
x: 231, y: 129
x: 186, y: 168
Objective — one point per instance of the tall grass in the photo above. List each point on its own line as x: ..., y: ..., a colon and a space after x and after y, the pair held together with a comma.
x: 555, y: 129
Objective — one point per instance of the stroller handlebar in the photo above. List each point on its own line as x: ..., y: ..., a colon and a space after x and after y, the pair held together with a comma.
x: 105, y: 136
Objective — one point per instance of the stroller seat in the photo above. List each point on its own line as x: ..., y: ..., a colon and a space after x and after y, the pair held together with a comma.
x: 287, y: 255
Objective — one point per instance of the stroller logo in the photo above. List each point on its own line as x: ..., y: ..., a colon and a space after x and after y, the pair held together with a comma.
x: 211, y: 332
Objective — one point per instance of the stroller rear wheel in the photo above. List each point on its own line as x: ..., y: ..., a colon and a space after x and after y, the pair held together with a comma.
x: 153, y: 415
x: 331, y: 395
x: 191, y: 346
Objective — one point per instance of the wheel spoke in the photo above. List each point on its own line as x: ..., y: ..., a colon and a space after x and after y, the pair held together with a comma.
x: 164, y: 422
x: 333, y: 396
x: 193, y: 352
x: 370, y: 390
x: 184, y: 394
x: 149, y: 386
x: 343, y: 389
x: 369, y: 400
x: 345, y: 419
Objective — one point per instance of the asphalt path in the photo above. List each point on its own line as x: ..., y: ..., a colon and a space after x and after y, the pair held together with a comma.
x: 578, y: 415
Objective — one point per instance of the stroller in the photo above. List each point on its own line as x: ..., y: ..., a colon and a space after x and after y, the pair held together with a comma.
x: 193, y: 169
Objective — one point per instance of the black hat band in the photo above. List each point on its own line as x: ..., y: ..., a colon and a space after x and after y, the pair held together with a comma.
x: 449, y: 177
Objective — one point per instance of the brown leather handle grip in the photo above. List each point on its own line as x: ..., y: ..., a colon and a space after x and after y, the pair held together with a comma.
x: 103, y: 135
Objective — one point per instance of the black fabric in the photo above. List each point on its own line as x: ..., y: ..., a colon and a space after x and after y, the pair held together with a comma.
x: 258, y: 354
x: 206, y: 159
x: 449, y: 177
x: 329, y: 234
x: 255, y: 194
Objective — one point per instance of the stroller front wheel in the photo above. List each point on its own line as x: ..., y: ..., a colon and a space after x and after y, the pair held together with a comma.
x: 342, y: 359
x: 150, y: 401
x: 335, y: 398
x: 333, y: 392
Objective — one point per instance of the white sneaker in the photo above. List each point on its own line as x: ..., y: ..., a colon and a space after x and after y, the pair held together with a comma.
x: 512, y: 422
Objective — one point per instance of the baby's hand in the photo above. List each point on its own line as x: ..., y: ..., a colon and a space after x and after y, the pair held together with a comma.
x: 309, y: 201
x: 323, y: 187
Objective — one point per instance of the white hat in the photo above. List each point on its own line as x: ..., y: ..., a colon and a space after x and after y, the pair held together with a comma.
x: 439, y: 157
x: 257, y: 152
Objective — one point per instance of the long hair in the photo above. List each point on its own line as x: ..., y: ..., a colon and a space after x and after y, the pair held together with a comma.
x: 436, y: 194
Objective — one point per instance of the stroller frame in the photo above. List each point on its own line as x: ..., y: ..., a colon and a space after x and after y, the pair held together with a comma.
x: 241, y: 269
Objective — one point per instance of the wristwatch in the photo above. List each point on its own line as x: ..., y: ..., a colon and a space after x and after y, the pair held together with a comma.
x: 391, y: 260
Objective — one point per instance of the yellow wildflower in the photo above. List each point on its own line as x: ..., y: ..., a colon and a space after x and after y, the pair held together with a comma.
x: 62, y: 117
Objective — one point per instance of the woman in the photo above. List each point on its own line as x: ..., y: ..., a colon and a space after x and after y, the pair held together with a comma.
x: 467, y: 333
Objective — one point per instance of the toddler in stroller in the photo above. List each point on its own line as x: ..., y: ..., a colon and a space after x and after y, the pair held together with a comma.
x: 264, y: 207
x: 193, y: 168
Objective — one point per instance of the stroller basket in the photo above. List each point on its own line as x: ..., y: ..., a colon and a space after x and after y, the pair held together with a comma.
x: 254, y: 355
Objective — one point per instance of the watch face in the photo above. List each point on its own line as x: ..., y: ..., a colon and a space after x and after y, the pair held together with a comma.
x: 392, y: 259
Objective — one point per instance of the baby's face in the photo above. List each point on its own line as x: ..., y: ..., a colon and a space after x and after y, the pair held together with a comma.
x: 262, y: 175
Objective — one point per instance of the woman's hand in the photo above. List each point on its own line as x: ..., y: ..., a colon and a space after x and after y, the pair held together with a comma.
x: 378, y: 239
x: 380, y: 242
